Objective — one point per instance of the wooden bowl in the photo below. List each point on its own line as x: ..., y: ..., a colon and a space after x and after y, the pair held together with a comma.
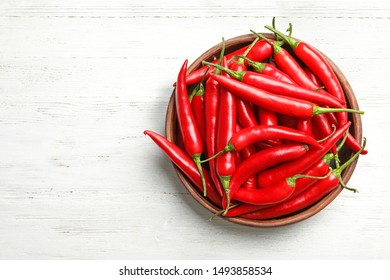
x: 355, y: 129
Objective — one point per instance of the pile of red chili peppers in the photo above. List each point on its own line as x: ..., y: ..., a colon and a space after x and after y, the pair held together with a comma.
x: 260, y: 128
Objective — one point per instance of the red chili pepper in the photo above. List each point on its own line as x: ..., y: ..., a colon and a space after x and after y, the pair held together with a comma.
x: 275, y: 174
x: 245, y: 115
x: 192, y: 139
x: 316, y: 62
x: 313, y: 77
x: 319, y: 169
x: 307, y: 197
x: 255, y: 134
x: 277, y: 194
x: 321, y: 68
x: 225, y: 163
x: 186, y: 164
x: 260, y: 51
x: 197, y: 107
x: 268, y: 70
x: 262, y: 160
x: 267, y: 117
x: 324, y: 126
x: 211, y: 105
x: 288, y: 64
x: 251, y: 182
x: 251, y: 135
x: 281, y: 88
x: 305, y: 125
x: 280, y: 104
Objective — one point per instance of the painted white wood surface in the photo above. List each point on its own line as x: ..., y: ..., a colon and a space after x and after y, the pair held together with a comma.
x: 81, y: 80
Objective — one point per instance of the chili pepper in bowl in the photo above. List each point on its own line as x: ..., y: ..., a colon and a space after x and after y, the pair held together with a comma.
x: 275, y: 86
x: 225, y: 164
x: 186, y: 164
x: 280, y: 172
x: 307, y: 197
x: 260, y: 52
x: 281, y: 104
x: 262, y: 160
x: 316, y: 62
x: 192, y: 139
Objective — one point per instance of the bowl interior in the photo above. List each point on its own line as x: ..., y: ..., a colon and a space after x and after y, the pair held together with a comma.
x: 355, y: 129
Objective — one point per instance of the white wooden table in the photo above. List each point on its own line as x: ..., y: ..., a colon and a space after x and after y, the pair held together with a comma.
x: 81, y: 80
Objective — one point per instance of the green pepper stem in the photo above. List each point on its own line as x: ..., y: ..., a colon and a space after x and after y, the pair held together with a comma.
x: 225, y: 181
x: 321, y: 110
x: 198, y: 163
x: 330, y: 135
x: 228, y: 148
x: 237, y: 75
x: 341, y: 145
x: 222, y: 54
x: 291, y: 41
x: 199, y: 89
x: 248, y: 49
x: 257, y: 66
x: 293, y: 179
x: 337, y: 172
x: 348, y: 162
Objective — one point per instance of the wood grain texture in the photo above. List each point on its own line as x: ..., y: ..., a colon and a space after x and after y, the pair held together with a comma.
x: 81, y: 80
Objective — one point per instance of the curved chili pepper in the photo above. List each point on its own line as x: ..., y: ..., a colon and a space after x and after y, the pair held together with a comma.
x: 321, y: 68
x: 313, y: 59
x: 262, y: 160
x: 280, y: 104
x: 211, y: 105
x: 186, y: 164
x: 268, y: 70
x: 318, y: 170
x: 275, y: 174
x: 254, y: 134
x: 289, y: 65
x: 306, y: 198
x: 260, y: 51
x: 192, y: 139
x: 277, y: 194
x: 251, y: 135
x: 313, y: 77
x: 309, y: 197
x: 225, y: 164
x: 281, y: 88
x: 245, y: 115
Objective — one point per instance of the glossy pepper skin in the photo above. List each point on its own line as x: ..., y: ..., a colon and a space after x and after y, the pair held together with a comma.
x: 259, y: 52
x: 319, y: 169
x: 276, y: 86
x: 185, y: 163
x: 226, y: 163
x: 262, y: 160
x: 317, y: 63
x: 292, y: 168
x: 305, y: 199
x: 191, y: 137
x: 251, y: 135
x: 309, y: 195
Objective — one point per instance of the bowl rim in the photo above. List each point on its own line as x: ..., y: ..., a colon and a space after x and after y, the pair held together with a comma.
x: 355, y: 129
